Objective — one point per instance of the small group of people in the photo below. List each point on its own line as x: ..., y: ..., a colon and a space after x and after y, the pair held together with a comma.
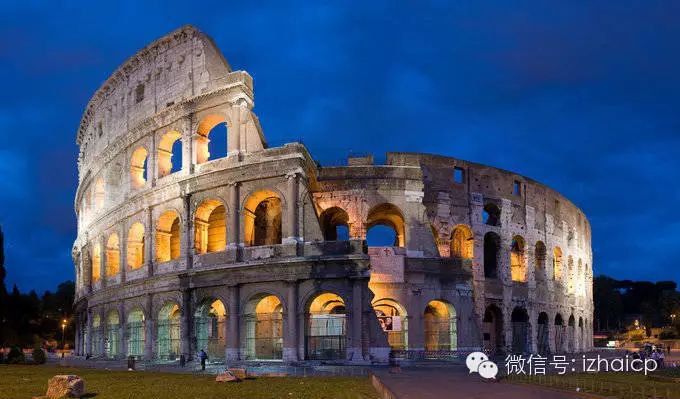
x: 653, y: 352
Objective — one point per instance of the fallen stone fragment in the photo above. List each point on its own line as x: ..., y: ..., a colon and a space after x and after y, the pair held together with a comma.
x: 65, y: 386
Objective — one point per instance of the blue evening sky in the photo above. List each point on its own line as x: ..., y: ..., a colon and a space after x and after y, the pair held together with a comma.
x: 583, y: 96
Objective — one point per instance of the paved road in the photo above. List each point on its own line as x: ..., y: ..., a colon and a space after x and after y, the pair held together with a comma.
x: 455, y: 383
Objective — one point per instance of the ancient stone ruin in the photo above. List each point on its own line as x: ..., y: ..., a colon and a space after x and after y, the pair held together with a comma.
x: 253, y: 253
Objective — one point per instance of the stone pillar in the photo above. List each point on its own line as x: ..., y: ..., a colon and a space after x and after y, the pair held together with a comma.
x: 551, y: 332
x: 188, y: 232
x: 507, y: 330
x: 149, y: 335
x: 152, y: 162
x: 188, y: 157
x: 290, y: 328
x: 233, y: 341
x: 149, y: 243
x: 354, y: 347
x: 291, y: 233
x: 233, y: 227
x: 86, y: 269
x: 238, y: 112
x: 533, y: 337
x: 122, y: 253
x: 123, y: 348
x: 88, y: 335
x: 185, y: 328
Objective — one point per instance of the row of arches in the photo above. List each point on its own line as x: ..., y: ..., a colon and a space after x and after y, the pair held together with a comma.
x: 262, y: 216
x: 562, y: 337
x: 210, y: 142
x: 518, y: 262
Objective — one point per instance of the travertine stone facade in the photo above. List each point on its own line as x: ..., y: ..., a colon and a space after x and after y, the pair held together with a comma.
x: 244, y: 255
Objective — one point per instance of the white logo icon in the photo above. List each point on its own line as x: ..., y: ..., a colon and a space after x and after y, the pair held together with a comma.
x: 474, y: 359
x: 488, y: 369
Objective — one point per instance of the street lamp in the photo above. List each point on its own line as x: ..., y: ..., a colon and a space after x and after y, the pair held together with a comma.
x: 63, y: 328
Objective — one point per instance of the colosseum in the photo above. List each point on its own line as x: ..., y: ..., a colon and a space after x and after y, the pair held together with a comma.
x: 256, y: 253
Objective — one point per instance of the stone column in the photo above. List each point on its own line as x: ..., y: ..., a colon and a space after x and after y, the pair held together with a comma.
x: 122, y: 330
x: 149, y: 242
x: 233, y: 227
x: 152, y: 163
x: 238, y: 112
x: 533, y: 323
x: 149, y: 336
x: 290, y: 333
x: 188, y: 232
x: 122, y: 253
x: 551, y: 332
x: 88, y: 335
x: 233, y: 341
x: 507, y: 324
x: 188, y: 156
x: 185, y: 329
x: 86, y: 269
x: 354, y: 347
x: 291, y: 232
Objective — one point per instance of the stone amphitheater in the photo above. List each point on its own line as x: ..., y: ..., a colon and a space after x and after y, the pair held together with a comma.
x: 256, y: 253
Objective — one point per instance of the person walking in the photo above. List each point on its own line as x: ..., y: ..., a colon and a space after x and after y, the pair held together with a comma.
x: 203, y: 356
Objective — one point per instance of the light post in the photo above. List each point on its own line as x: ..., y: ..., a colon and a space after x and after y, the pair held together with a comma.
x: 63, y: 329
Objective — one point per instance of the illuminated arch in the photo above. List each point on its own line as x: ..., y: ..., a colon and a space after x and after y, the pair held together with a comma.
x: 440, y: 326
x: 389, y: 215
x: 112, y: 342
x: 210, y: 229
x: 557, y: 264
x: 262, y: 218
x: 138, y: 167
x: 97, y: 336
x: 135, y: 246
x: 168, y: 236
x: 210, y: 326
x: 326, y: 328
x: 518, y: 269
x: 96, y: 262
x: 393, y: 320
x: 202, y: 139
x: 112, y: 255
x: 165, y: 152
x: 264, y: 328
x: 168, y: 331
x: 136, y: 333
x: 462, y: 242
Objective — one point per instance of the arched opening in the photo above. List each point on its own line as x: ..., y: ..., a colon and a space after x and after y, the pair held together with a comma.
x: 264, y: 328
x: 326, y: 328
x: 262, y: 218
x: 492, y: 329
x: 559, y: 333
x: 557, y: 264
x: 440, y: 326
x: 210, y: 327
x: 135, y: 246
x: 492, y: 244
x: 520, y: 330
x: 210, y: 227
x: 391, y: 219
x: 334, y: 224
x: 136, y: 333
x: 462, y: 243
x: 393, y: 321
x: 97, y: 336
x: 543, y: 339
x: 170, y: 153
x: 112, y: 255
x: 539, y: 260
x: 571, y: 334
x: 96, y: 262
x: 168, y: 237
x: 211, y: 140
x: 99, y: 194
x: 112, y: 343
x: 491, y: 214
x: 168, y: 336
x: 518, y: 269
x: 138, y: 167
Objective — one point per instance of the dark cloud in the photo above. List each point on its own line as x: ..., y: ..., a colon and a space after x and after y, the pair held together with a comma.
x: 582, y: 96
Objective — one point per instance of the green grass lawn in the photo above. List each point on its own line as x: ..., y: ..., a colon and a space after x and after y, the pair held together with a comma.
x: 618, y: 385
x: 28, y: 381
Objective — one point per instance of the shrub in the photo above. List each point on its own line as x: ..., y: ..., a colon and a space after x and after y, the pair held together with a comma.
x: 39, y: 356
x: 15, y: 356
